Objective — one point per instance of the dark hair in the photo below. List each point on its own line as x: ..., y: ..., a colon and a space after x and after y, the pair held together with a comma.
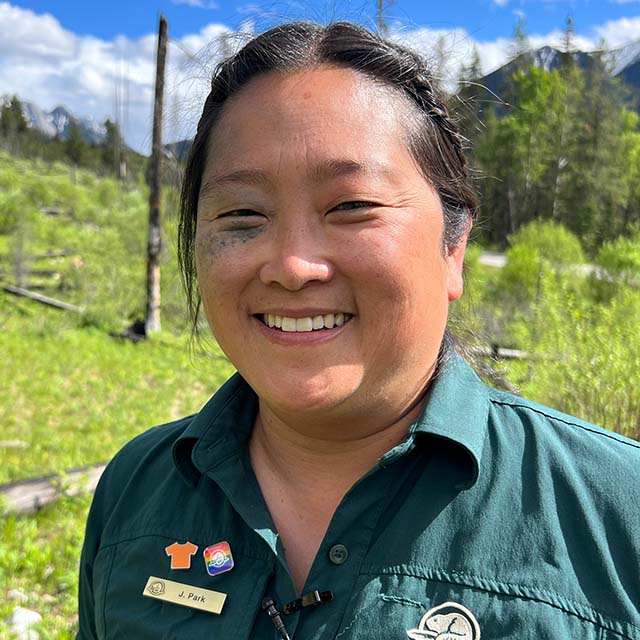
x: 433, y: 138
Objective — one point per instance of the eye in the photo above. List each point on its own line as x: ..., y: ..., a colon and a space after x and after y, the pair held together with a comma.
x: 240, y: 213
x: 353, y: 204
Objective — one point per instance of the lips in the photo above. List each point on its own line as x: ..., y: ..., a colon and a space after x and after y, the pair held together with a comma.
x: 304, y: 324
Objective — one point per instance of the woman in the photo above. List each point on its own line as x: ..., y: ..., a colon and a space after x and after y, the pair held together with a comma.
x: 355, y: 479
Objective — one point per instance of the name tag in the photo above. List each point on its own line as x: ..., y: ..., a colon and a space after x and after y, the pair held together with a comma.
x: 184, y: 594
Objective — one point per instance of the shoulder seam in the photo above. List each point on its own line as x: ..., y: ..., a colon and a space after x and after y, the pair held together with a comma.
x: 612, y: 435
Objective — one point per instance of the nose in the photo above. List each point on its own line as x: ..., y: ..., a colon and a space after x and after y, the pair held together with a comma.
x: 296, y: 257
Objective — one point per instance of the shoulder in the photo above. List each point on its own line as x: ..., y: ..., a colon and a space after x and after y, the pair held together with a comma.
x: 509, y: 411
x: 133, y: 469
x: 564, y: 456
x: 153, y: 446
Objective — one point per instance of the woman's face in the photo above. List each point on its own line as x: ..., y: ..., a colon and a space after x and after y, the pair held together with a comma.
x: 314, y: 217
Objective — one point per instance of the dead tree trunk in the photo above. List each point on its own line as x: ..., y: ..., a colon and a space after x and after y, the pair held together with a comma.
x: 154, y: 244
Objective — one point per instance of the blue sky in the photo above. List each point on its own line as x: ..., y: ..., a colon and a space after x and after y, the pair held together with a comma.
x: 485, y: 19
x: 97, y: 58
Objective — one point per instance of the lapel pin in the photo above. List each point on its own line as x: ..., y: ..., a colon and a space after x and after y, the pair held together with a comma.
x: 181, y: 554
x: 218, y: 558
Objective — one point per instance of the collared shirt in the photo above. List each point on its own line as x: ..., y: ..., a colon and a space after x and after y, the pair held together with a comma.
x: 495, y: 517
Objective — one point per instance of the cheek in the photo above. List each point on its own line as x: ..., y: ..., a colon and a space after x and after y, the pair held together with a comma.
x: 212, y: 245
x: 222, y: 259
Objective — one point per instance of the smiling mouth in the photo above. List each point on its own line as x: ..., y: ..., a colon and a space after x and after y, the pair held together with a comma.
x: 304, y: 325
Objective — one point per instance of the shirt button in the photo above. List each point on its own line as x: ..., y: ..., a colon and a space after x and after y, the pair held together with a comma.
x: 338, y: 554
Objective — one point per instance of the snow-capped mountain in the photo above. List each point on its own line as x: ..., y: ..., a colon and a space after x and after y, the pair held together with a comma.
x: 58, y: 122
x: 625, y: 64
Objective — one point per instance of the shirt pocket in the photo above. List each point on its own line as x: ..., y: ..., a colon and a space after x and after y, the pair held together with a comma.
x: 395, y: 606
x: 125, y: 612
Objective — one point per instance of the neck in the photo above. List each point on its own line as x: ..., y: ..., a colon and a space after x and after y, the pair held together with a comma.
x: 332, y: 458
x: 304, y: 472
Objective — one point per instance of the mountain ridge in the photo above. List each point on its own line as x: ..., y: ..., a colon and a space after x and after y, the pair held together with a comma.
x: 58, y: 121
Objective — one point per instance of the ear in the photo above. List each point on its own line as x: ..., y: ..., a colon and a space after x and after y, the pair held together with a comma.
x: 455, y: 263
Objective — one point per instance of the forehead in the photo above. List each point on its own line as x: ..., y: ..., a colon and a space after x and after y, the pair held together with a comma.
x: 311, y: 117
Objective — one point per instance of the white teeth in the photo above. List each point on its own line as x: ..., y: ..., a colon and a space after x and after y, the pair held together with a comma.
x: 304, y: 324
x: 309, y: 323
x: 289, y: 324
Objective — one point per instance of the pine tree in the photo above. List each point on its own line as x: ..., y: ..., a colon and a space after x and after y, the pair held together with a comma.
x: 75, y: 146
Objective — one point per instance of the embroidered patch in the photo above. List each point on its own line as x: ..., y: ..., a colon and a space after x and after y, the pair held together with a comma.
x: 448, y: 621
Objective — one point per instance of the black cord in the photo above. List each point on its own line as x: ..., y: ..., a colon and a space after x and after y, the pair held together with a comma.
x: 308, y: 600
x: 269, y: 606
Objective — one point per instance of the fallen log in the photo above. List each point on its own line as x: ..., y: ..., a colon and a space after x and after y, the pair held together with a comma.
x: 38, y: 297
x: 28, y: 496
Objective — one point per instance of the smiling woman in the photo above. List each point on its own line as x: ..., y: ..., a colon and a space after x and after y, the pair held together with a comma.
x: 355, y: 479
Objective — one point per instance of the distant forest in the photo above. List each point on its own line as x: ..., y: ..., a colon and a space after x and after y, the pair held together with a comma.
x: 111, y: 158
x: 559, y: 144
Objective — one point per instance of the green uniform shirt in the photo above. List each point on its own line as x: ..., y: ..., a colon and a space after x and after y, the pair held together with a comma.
x: 495, y: 517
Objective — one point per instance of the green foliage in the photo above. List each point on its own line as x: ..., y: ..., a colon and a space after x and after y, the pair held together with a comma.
x: 618, y: 263
x: 39, y: 558
x: 586, y: 356
x: 537, y: 250
x: 12, y: 120
x: 101, y: 224
x: 78, y: 395
x: 620, y: 258
x: 72, y: 393
x: 18, y: 139
x: 563, y: 147
x: 551, y: 241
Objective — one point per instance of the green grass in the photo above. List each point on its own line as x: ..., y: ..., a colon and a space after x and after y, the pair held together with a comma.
x: 39, y: 558
x: 70, y: 394
x: 75, y: 396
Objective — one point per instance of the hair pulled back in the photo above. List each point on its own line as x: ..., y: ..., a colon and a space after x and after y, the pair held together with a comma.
x: 434, y: 140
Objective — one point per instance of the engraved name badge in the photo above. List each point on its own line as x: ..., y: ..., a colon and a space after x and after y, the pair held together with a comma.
x: 184, y: 594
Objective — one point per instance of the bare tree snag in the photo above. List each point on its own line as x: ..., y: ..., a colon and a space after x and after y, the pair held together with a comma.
x: 154, y: 244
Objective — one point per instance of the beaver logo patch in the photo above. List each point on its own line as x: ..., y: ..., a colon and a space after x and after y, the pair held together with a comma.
x: 448, y: 621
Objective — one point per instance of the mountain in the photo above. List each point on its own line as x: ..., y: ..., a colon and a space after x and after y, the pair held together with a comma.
x: 627, y: 65
x: 178, y: 150
x: 624, y: 62
x: 58, y: 122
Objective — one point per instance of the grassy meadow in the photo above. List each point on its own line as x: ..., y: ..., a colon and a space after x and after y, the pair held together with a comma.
x: 72, y: 394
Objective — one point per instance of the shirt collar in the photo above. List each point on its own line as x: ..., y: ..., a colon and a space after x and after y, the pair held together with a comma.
x: 218, y: 431
x: 456, y: 411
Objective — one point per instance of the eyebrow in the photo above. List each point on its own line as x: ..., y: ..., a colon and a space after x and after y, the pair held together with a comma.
x: 322, y: 171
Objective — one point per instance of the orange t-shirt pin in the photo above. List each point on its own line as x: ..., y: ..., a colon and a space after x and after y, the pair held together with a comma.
x: 181, y: 554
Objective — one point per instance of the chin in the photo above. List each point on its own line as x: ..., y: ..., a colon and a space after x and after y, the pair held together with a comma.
x: 302, y: 392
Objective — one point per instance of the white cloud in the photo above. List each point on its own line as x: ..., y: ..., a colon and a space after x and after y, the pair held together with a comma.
x: 33, y: 35
x: 197, y: 4
x: 617, y: 33
x: 499, y: 3
x: 191, y: 3
x: 42, y: 62
x: 49, y: 65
